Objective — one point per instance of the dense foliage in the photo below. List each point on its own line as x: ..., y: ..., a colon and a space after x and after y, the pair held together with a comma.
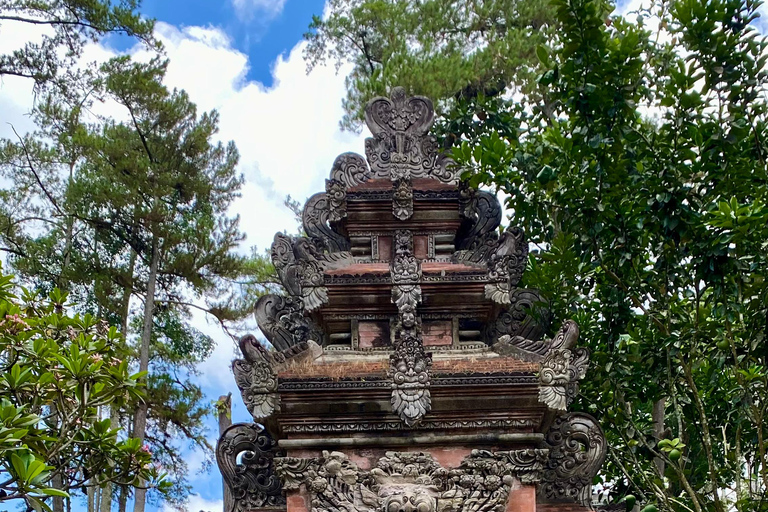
x: 642, y: 180
x: 59, y: 375
x: 442, y: 49
x: 638, y: 170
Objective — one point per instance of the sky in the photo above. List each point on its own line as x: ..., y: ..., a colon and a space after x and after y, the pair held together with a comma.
x: 244, y: 59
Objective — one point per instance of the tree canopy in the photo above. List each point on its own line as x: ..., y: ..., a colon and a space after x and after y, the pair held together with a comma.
x: 441, y: 49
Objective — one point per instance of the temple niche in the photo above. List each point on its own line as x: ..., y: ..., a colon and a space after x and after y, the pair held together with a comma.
x: 406, y: 370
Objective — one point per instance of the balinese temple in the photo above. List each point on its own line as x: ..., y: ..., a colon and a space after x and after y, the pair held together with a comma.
x: 404, y: 369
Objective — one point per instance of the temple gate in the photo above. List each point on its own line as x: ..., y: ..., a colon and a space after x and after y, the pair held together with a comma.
x: 407, y: 372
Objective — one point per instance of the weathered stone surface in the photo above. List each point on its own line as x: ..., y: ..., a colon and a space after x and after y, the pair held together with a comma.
x: 399, y: 257
x: 244, y: 454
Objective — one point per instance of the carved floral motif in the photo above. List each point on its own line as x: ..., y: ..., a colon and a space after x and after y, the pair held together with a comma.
x: 402, y: 199
x: 337, y: 200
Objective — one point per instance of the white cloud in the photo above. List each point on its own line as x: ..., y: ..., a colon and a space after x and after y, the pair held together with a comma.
x: 248, y: 9
x: 287, y: 134
x: 195, y: 503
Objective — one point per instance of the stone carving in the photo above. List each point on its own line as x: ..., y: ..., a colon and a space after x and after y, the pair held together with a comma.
x: 506, y: 265
x: 577, y: 450
x: 337, y: 200
x: 300, y: 265
x: 401, y: 147
x: 402, y: 199
x: 256, y: 378
x: 562, y: 368
x: 409, y: 364
x: 299, y: 270
x: 350, y: 169
x: 412, y: 481
x: 245, y: 454
x: 482, y: 215
x: 283, y: 322
x: 518, y: 329
x: 315, y: 218
x: 409, y: 369
x: 405, y: 275
x: 256, y: 375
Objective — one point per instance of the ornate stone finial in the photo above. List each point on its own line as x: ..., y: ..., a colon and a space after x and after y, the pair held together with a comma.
x: 577, y: 450
x: 562, y: 368
x: 245, y: 454
x: 402, y: 148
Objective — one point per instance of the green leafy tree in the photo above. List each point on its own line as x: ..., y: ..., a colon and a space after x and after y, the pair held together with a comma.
x: 438, y: 48
x: 57, y: 376
x: 162, y: 186
x: 89, y: 200
x: 642, y: 182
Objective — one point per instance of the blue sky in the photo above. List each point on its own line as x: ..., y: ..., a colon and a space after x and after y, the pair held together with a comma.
x: 262, y: 29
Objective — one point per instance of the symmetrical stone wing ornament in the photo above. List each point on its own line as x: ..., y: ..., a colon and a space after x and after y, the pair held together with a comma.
x: 577, y: 450
x: 245, y: 454
x: 562, y: 368
x: 409, y: 365
x: 412, y: 481
x: 401, y: 147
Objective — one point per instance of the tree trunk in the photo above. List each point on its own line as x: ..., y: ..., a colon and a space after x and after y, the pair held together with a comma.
x: 106, y: 492
x: 657, y: 415
x: 122, y: 501
x: 140, y: 420
x: 225, y: 421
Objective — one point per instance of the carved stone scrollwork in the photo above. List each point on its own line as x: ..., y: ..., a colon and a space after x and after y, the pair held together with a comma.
x: 506, y: 265
x: 577, y: 450
x: 316, y: 218
x: 300, y: 271
x: 402, y: 199
x: 519, y: 328
x: 245, y: 454
x: 337, y: 200
x: 350, y: 169
x: 412, y: 481
x: 562, y: 368
x: 401, y: 146
x: 282, y: 321
x: 482, y: 215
